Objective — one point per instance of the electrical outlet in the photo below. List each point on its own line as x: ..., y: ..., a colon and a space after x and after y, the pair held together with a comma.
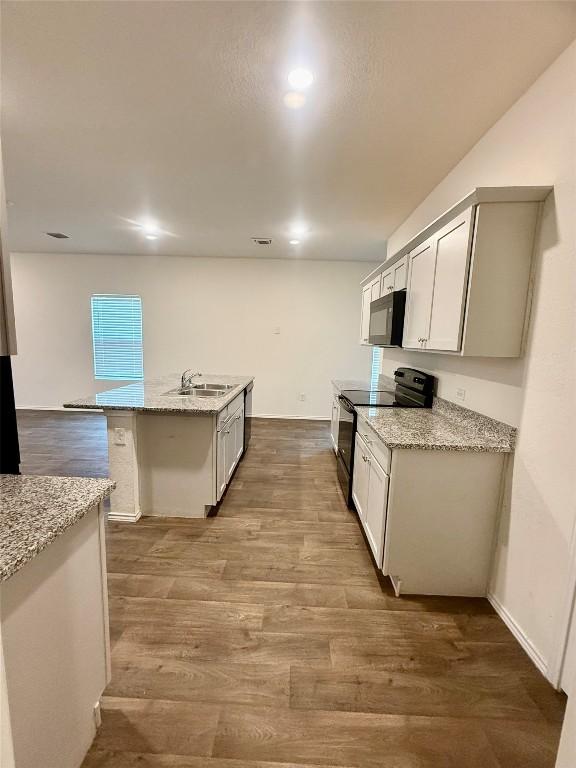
x: 302, y: 396
x: 276, y: 331
x: 119, y: 436
x: 461, y: 394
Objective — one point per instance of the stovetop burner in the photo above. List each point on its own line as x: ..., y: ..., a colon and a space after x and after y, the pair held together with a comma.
x: 413, y: 390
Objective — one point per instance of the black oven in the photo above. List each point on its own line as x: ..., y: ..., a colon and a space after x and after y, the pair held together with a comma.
x: 345, y: 456
x: 387, y: 320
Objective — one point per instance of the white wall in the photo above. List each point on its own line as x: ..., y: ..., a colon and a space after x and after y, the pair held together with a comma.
x: 533, y: 143
x: 214, y: 315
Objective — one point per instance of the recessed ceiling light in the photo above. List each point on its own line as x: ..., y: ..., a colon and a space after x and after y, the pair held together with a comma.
x: 151, y: 237
x: 300, y: 78
x: 294, y: 100
x: 149, y: 228
x: 299, y: 229
x: 294, y: 242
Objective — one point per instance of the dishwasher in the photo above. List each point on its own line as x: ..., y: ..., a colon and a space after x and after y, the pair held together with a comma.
x: 248, y: 414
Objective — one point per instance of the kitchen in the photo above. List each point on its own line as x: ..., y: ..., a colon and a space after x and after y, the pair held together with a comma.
x: 266, y: 621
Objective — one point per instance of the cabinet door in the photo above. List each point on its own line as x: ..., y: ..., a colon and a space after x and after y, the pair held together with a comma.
x: 360, y: 477
x: 387, y: 284
x: 375, y: 518
x: 365, y: 317
x: 419, y: 294
x: 399, y: 270
x: 221, y: 478
x: 334, y: 423
x: 375, y: 289
x: 239, y: 436
x: 450, y: 284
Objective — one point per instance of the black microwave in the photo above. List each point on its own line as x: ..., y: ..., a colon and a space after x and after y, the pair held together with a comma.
x: 387, y: 320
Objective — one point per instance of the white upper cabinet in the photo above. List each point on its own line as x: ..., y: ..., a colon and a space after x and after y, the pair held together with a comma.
x: 420, y: 290
x: 437, y: 283
x: 370, y: 293
x: 394, y: 279
x: 452, y: 246
x: 467, y: 275
x: 7, y: 325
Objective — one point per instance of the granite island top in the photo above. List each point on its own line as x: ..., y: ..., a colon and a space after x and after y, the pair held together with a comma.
x: 35, y: 510
x: 444, y: 427
x: 150, y: 396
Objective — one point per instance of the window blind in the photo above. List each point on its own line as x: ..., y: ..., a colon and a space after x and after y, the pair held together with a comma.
x: 117, y: 337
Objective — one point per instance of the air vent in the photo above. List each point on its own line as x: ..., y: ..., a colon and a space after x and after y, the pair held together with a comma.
x: 58, y: 235
x: 262, y: 240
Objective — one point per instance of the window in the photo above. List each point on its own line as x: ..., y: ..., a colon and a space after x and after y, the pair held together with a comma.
x: 117, y: 338
x: 375, y: 371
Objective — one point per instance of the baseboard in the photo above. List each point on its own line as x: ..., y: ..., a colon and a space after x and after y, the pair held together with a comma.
x: 124, y: 517
x: 279, y: 416
x: 520, y: 635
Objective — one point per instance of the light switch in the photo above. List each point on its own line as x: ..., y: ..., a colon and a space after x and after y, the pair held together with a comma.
x: 119, y: 436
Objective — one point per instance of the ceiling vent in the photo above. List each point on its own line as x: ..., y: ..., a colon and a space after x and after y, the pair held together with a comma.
x: 262, y: 240
x: 58, y: 235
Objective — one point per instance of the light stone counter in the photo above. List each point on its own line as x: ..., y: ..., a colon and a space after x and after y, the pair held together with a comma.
x: 444, y: 427
x: 150, y: 396
x: 36, y: 510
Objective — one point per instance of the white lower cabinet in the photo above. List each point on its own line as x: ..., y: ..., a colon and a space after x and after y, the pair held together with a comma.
x: 370, y: 492
x: 360, y: 477
x: 230, y: 449
x: 429, y: 516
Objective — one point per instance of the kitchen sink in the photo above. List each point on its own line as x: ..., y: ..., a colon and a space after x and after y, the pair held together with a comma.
x: 201, y: 390
x: 223, y: 387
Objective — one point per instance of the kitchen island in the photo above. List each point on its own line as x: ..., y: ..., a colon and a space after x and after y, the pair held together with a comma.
x: 172, y: 454
x: 54, y: 650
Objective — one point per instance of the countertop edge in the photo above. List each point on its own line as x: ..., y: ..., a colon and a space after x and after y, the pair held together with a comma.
x: 16, y: 563
x: 214, y: 410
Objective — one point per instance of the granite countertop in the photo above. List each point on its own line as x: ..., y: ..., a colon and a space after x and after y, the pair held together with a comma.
x: 35, y: 510
x: 150, y: 396
x: 444, y: 427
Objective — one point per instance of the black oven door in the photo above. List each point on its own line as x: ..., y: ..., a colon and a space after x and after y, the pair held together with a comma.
x: 387, y: 320
x: 346, y: 436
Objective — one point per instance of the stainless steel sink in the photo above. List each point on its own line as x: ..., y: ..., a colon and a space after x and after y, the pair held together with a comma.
x: 200, y: 390
x: 223, y: 387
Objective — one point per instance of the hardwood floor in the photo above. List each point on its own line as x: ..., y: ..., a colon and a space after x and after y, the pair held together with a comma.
x: 264, y: 637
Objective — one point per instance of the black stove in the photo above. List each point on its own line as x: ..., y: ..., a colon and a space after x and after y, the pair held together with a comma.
x: 414, y: 389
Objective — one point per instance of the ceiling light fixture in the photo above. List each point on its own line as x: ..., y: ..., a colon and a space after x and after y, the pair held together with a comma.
x: 151, y: 237
x: 149, y: 228
x: 294, y: 242
x: 294, y: 100
x: 300, y: 78
x: 299, y: 229
x: 58, y: 235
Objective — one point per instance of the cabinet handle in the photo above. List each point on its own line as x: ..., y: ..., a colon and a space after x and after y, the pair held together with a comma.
x: 390, y: 287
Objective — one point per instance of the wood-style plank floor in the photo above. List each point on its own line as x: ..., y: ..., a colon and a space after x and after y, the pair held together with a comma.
x: 263, y: 637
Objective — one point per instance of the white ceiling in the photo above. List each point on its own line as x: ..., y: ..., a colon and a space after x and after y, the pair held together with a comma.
x: 118, y: 111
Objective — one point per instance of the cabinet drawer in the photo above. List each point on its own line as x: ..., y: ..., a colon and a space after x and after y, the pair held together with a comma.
x: 231, y: 409
x: 381, y: 453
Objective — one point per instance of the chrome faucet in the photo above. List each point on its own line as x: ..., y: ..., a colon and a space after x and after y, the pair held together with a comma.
x: 187, y: 377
